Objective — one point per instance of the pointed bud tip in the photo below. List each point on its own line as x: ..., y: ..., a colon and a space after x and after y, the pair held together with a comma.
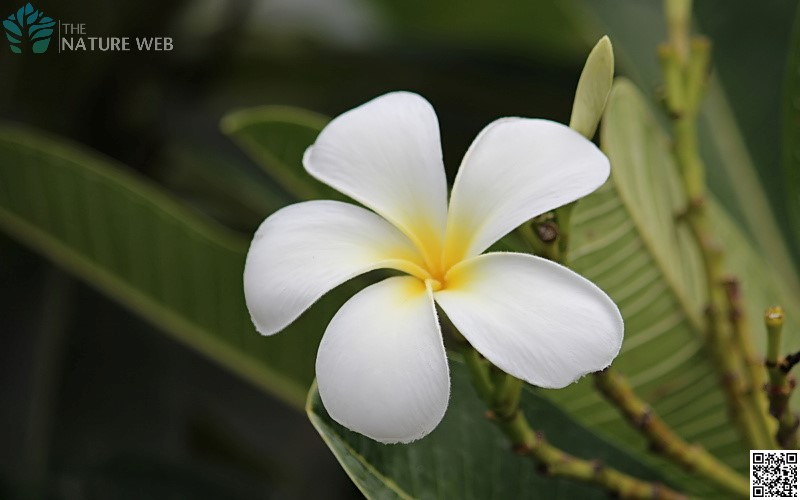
x: 605, y: 45
x: 603, y: 50
x: 594, y: 86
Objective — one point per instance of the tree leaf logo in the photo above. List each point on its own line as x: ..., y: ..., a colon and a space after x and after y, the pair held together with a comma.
x: 29, y: 30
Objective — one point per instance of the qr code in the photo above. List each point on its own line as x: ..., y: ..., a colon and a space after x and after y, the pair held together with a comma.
x: 773, y: 474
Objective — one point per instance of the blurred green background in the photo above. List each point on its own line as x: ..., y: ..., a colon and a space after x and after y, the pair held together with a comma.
x: 97, y: 403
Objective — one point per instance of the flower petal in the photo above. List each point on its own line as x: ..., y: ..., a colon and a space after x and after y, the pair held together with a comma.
x: 386, y: 155
x: 516, y: 169
x: 533, y: 318
x: 302, y: 251
x: 381, y: 367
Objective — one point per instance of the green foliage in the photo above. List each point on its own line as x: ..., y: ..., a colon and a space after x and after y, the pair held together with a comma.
x: 183, y: 273
x: 791, y: 132
x: 276, y: 138
x: 636, y: 29
x: 467, y: 456
x: 177, y: 269
x: 627, y: 238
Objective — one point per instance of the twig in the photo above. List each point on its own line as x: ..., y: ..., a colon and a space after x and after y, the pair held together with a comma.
x: 502, y: 397
x: 781, y: 384
x: 741, y: 332
x: 684, y: 75
x: 753, y: 380
x: 662, y: 438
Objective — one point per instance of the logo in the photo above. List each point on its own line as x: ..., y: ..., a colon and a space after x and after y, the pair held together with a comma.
x: 29, y: 30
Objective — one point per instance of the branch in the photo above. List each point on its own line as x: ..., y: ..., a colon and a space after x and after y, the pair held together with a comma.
x: 502, y: 397
x: 663, y: 439
x: 730, y: 343
x: 781, y: 384
x: 753, y: 381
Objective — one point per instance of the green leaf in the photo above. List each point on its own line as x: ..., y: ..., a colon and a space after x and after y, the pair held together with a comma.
x: 466, y: 456
x: 130, y: 240
x: 791, y: 131
x: 627, y: 239
x: 594, y: 86
x: 231, y: 192
x: 636, y: 29
x: 276, y: 138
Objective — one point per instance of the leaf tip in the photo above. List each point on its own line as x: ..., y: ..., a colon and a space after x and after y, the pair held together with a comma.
x: 226, y: 124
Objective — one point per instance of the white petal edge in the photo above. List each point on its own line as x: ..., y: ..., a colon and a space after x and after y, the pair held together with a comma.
x: 386, y: 155
x: 534, y: 319
x: 516, y: 169
x: 304, y: 250
x: 381, y: 367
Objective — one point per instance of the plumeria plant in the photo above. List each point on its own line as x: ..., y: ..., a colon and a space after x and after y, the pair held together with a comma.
x: 574, y: 314
x: 516, y: 317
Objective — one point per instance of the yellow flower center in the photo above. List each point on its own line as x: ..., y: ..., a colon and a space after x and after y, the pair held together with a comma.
x: 436, y: 257
x: 435, y: 262
x: 436, y: 285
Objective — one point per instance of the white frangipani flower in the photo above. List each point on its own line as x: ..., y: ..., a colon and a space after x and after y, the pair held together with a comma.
x: 381, y: 366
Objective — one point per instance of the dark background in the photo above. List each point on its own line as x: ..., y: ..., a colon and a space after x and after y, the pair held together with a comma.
x: 95, y: 403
